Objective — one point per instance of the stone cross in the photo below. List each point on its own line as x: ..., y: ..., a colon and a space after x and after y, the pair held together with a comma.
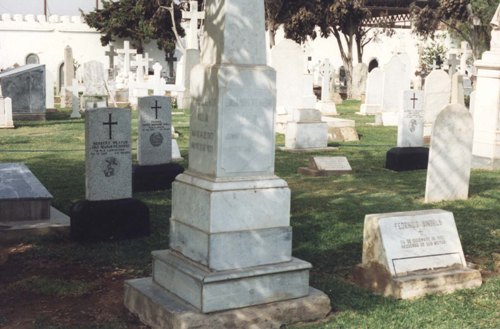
x: 171, y: 59
x: 146, y: 62
x: 193, y: 15
x: 453, y: 62
x: 325, y: 70
x: 141, y: 64
x: 111, y: 53
x: 434, y: 65
x: 126, y: 51
x: 465, y: 54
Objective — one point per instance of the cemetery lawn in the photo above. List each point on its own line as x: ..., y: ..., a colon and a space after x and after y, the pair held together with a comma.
x: 56, y: 283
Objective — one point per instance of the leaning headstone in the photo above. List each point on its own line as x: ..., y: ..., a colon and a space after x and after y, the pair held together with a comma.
x: 409, y: 153
x: 396, y: 81
x: 326, y: 166
x: 374, y: 93
x: 306, y: 131
x: 411, y: 254
x: 109, y: 211
x: 25, y: 86
x: 155, y: 170
x: 450, y: 155
x: 223, y: 257
x: 486, y: 150
x: 437, y: 92
x: 359, y: 77
x: 25, y: 205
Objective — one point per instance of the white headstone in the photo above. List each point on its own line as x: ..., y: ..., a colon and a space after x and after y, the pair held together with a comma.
x: 126, y: 52
x: 108, y: 161
x: 155, y: 131
x: 396, y: 81
x: 193, y: 15
x: 374, y: 92
x: 359, y: 77
x: 457, y: 89
x: 307, y: 131
x: 411, y: 120
x: 75, y: 103
x: 450, y: 155
x: 437, y: 92
x: 326, y: 163
x: 6, y: 112
x: 94, y: 79
x: 287, y: 60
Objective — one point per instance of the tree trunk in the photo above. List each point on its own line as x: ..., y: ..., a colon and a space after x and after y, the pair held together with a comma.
x: 346, y: 55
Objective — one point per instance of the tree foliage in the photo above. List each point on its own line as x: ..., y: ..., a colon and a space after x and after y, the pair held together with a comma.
x: 139, y: 21
x: 466, y: 19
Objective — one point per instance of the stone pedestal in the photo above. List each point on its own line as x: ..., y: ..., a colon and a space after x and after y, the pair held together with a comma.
x: 192, y: 58
x: 307, y: 131
x: 230, y: 234
x: 486, y: 143
x: 327, y: 107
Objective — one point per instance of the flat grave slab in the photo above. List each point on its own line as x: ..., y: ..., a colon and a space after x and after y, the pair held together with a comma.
x: 22, y: 196
x: 326, y: 166
x: 411, y: 254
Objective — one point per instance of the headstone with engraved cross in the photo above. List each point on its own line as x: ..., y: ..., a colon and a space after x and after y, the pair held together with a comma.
x: 155, y: 131
x: 193, y: 15
x: 411, y: 120
x: 108, y: 211
x: 155, y: 171
x: 108, y: 159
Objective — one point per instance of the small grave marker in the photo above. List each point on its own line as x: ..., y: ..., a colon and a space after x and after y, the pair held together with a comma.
x: 326, y: 166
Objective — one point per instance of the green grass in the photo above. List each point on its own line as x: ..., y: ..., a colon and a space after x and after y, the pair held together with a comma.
x: 54, y: 287
x: 327, y: 217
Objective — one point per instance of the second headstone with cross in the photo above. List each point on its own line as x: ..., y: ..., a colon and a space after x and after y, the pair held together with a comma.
x: 108, y: 211
x: 155, y: 171
x: 409, y: 153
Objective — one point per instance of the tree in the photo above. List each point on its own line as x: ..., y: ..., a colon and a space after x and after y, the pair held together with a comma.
x: 466, y: 19
x: 139, y: 21
x: 341, y: 18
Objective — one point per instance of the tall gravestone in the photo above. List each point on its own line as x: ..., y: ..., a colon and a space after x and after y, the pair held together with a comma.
x: 230, y: 237
x: 396, y: 81
x: 5, y: 111
x: 108, y: 211
x: 414, y: 253
x: 25, y: 86
x: 95, y: 87
x: 374, y: 93
x: 437, y: 92
x: 409, y: 153
x: 450, y: 155
x: 69, y: 75
x: 326, y: 104
x: 486, y: 147
x: 287, y: 60
x: 359, y: 76
x: 155, y: 170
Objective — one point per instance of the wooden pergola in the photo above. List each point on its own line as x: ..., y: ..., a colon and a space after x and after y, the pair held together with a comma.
x: 390, y: 12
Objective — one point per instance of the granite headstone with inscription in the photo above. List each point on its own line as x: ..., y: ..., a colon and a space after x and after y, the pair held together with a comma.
x: 409, y: 153
x: 109, y: 211
x: 412, y: 254
x: 326, y: 166
x: 230, y: 234
x: 25, y: 86
x: 155, y: 170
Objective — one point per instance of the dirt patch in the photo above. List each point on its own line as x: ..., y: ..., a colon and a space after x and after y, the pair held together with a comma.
x: 51, y: 293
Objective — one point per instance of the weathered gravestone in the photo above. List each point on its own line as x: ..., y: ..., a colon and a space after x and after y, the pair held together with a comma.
x: 95, y: 95
x: 437, y: 91
x: 412, y: 254
x: 409, y: 153
x: 230, y: 234
x: 326, y: 104
x: 25, y: 205
x: 154, y: 150
x: 374, y: 93
x: 25, y: 85
x: 109, y: 211
x: 396, y: 81
x: 326, y: 166
x: 307, y: 131
x: 450, y: 155
x: 359, y: 77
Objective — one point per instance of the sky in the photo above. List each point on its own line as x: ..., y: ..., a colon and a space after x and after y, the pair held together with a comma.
x: 54, y: 7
